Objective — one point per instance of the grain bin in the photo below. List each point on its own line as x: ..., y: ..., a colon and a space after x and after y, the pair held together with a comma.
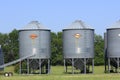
x: 113, y: 39
x: 113, y: 51
x: 78, y: 42
x: 35, y: 39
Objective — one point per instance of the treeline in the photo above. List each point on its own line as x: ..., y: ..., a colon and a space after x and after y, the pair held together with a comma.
x: 10, y: 47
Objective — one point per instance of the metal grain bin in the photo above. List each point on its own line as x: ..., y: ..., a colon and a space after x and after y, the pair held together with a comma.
x: 113, y: 40
x: 35, y: 39
x: 78, y: 41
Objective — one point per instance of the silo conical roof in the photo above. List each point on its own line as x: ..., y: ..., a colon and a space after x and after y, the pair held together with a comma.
x: 115, y: 25
x: 34, y: 25
x: 78, y: 24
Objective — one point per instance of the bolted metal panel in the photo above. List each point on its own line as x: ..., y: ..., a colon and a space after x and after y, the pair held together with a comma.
x: 113, y: 41
x: 35, y: 39
x: 78, y: 43
x: 1, y: 58
x: 35, y: 42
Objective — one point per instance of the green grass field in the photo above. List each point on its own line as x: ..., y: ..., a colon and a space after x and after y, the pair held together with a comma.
x: 57, y: 73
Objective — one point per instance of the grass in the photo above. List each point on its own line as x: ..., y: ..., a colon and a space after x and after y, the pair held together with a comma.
x: 57, y: 73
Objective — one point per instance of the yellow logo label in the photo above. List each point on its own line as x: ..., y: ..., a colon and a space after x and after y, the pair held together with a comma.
x: 77, y: 35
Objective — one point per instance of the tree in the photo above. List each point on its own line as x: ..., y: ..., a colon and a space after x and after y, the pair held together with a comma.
x: 14, y: 44
x: 53, y: 47
x: 56, y: 44
x: 9, y: 44
x: 99, y: 50
x: 59, y: 49
x: 4, y: 44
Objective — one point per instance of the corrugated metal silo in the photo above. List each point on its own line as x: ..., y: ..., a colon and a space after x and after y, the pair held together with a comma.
x: 113, y: 41
x: 35, y: 39
x: 78, y: 42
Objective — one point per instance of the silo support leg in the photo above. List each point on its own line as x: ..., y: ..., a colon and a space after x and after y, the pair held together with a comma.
x: 40, y: 66
x: 92, y: 65
x: 109, y: 65
x: 105, y: 65
x: 27, y: 66
x: 48, y: 66
x: 20, y: 68
x: 84, y: 65
x: 118, y: 65
x: 72, y: 65
x: 64, y: 66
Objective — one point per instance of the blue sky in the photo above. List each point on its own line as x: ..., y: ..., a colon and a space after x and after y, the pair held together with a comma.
x: 58, y: 14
